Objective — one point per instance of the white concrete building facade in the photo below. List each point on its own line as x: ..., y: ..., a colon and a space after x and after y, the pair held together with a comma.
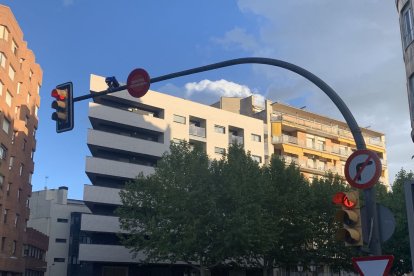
x: 50, y: 213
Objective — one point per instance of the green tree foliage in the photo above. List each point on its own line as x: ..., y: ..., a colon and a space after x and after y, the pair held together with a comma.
x: 399, y: 244
x: 231, y: 211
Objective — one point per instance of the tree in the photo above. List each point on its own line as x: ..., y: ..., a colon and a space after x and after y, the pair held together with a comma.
x: 191, y: 209
x: 399, y: 244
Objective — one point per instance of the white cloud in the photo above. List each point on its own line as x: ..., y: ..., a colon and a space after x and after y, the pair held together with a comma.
x: 68, y: 2
x: 354, y: 46
x: 220, y: 88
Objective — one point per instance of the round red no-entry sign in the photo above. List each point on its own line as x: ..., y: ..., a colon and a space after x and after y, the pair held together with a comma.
x: 138, y: 83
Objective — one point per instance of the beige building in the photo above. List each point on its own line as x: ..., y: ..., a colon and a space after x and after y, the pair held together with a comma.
x: 20, y: 81
x: 130, y: 135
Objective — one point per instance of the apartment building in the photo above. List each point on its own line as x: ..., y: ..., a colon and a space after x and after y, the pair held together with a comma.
x: 20, y: 82
x: 34, y: 252
x: 50, y: 214
x: 405, y: 11
x: 129, y: 135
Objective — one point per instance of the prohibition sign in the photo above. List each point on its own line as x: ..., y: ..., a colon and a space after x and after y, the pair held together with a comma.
x: 362, y: 169
x: 138, y: 83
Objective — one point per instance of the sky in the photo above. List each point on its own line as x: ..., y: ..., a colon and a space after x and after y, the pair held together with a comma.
x: 354, y: 46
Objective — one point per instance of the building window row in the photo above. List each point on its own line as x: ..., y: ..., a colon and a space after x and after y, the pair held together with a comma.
x: 33, y: 252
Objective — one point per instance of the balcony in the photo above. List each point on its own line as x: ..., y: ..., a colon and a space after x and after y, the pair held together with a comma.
x: 107, y: 253
x: 321, y: 168
x: 97, y: 223
x: 101, y: 195
x: 197, y: 131
x: 324, y: 128
x: 286, y: 139
x: 102, y: 166
x: 235, y: 139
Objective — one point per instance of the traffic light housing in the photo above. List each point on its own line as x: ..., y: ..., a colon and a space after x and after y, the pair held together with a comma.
x: 350, y: 217
x: 63, y: 104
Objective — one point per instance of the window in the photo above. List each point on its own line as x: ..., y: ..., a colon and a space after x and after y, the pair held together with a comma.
x: 63, y: 220
x: 14, y: 245
x: 38, y: 89
x: 19, y: 192
x: 1, y: 88
x: 4, y: 32
x: 6, y: 125
x: 14, y: 47
x: 1, y: 181
x: 11, y: 162
x: 28, y: 97
x: 36, y: 110
x: 3, y: 152
x: 59, y: 260
x: 30, y: 74
x: 179, y: 119
x: 5, y: 213
x: 257, y: 158
x: 30, y: 177
x: 2, y: 60
x: 21, y: 169
x: 60, y: 240
x: 26, y: 120
x: 219, y: 129
x: 8, y: 188
x: 16, y: 220
x: 256, y: 138
x: 407, y: 25
x: 218, y: 150
x: 19, y: 87
x: 3, y: 243
x: 24, y: 144
x: 9, y: 98
x: 12, y: 72
x: 32, y: 154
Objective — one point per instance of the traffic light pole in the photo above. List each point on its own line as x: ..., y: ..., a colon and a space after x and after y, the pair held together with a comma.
x: 371, y: 218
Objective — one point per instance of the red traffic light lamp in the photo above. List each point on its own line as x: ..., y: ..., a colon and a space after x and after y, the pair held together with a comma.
x: 350, y: 217
x: 63, y: 105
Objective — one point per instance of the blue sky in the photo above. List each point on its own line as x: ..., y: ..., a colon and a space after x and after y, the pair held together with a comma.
x: 354, y: 46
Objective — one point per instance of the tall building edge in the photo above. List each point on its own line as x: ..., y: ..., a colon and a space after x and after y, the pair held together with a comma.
x: 20, y: 83
x: 406, y: 20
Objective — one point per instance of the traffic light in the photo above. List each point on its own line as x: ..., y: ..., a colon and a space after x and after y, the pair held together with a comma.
x: 350, y: 217
x: 63, y: 104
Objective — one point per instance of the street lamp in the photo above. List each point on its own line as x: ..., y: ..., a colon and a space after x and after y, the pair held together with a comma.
x: 300, y: 268
x: 312, y: 267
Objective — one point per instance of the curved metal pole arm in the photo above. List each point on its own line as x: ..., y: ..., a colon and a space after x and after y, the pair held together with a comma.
x: 349, y: 118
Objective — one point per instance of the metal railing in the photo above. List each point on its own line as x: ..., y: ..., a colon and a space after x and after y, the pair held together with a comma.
x: 235, y: 139
x: 197, y: 131
x: 319, y: 147
x: 330, y: 129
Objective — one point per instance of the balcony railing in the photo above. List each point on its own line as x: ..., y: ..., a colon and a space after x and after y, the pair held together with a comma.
x: 235, y: 139
x: 287, y: 139
x: 197, y: 131
x: 303, y: 164
x: 331, y: 129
